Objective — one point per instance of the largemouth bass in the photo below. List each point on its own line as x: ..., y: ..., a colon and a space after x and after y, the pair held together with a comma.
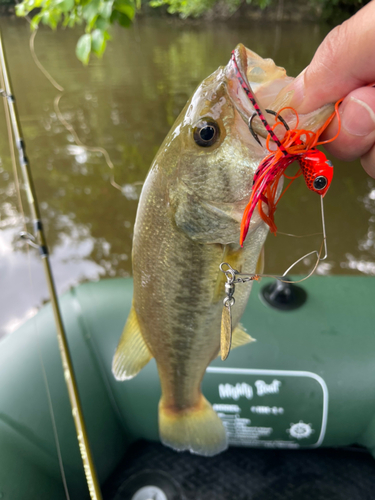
x: 188, y: 222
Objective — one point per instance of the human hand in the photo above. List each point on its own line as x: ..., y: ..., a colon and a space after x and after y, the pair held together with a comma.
x: 344, y: 65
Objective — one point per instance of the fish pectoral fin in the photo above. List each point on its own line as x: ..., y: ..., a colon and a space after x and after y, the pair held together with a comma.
x: 240, y: 337
x: 132, y: 353
x: 197, y: 429
x: 203, y: 221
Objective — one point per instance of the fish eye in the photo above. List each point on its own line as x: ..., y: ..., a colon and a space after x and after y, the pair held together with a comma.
x: 206, y: 133
x: 320, y: 182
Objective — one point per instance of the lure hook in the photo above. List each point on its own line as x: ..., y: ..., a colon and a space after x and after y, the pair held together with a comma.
x: 254, y: 134
x: 271, y: 112
x: 278, y: 117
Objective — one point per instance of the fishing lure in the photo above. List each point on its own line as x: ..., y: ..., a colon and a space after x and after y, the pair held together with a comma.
x: 297, y: 145
x: 317, y: 170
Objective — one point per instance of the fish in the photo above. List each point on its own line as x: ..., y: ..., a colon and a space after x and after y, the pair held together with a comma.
x: 188, y: 223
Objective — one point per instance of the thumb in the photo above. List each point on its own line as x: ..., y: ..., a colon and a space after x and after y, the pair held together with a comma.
x: 343, y: 62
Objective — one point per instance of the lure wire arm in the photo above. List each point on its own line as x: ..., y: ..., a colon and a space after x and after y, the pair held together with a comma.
x: 233, y: 276
x: 324, y: 229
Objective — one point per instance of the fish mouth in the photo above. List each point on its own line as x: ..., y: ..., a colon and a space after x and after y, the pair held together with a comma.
x: 266, y: 82
x: 242, y: 63
x: 240, y: 55
x: 260, y: 73
x: 262, y: 78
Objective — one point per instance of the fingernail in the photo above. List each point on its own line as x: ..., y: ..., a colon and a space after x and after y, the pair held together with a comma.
x: 358, y: 118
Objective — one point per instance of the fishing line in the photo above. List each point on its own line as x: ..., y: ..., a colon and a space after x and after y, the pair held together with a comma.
x: 36, y: 330
x: 40, y: 65
x: 78, y: 141
x: 50, y: 407
x: 67, y: 125
x: 298, y: 235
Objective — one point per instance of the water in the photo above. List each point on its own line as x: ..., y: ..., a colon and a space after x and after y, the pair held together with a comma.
x: 126, y: 103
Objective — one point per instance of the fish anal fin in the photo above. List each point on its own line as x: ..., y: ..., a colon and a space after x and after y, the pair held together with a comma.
x: 132, y: 353
x: 197, y: 429
x: 240, y: 337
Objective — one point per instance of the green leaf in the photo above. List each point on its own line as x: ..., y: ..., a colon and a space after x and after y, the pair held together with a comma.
x: 51, y: 18
x: 121, y: 18
x: 101, y: 23
x: 21, y: 10
x: 126, y: 7
x: 65, y: 5
x: 106, y: 9
x: 35, y: 21
x: 98, y: 42
x: 72, y: 18
x: 91, y: 10
x: 83, y: 48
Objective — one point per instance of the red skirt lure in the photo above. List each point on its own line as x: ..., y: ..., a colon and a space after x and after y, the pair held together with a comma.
x: 297, y: 145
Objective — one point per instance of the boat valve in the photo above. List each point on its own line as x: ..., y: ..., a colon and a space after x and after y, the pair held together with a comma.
x: 283, y: 296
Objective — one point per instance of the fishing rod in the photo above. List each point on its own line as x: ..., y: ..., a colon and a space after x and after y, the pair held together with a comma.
x: 66, y: 360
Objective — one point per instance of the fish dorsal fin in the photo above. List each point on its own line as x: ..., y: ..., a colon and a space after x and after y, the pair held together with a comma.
x: 132, y: 353
x: 240, y: 337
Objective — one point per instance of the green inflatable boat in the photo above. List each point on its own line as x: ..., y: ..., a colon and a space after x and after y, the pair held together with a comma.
x: 307, y: 383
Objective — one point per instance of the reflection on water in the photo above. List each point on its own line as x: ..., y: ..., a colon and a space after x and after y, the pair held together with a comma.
x: 126, y: 103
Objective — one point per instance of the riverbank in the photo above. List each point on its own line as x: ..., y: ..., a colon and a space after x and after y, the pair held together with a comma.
x: 278, y: 11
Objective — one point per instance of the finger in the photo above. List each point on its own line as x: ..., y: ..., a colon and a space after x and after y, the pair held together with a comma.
x: 343, y: 62
x: 357, y: 134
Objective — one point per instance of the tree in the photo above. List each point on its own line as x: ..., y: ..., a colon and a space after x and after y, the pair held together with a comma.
x: 98, y: 15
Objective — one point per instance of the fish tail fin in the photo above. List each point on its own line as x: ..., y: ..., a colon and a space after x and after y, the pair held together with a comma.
x: 132, y: 353
x: 197, y: 429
